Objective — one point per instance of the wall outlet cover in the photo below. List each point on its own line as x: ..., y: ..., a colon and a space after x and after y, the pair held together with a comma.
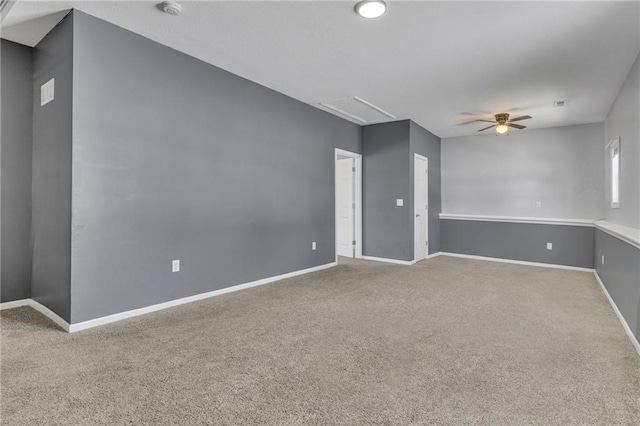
x: 175, y: 266
x: 603, y: 259
x: 399, y: 202
x: 313, y: 245
x: 549, y: 246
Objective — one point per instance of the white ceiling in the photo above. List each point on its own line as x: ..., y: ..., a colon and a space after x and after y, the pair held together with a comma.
x: 433, y: 62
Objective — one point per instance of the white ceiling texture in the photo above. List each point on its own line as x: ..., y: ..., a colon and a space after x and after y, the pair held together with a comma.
x: 437, y: 63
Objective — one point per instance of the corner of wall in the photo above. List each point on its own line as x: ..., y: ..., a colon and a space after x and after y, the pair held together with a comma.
x: 51, y: 171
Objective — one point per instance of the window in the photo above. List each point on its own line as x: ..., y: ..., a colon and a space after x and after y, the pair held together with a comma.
x: 614, y: 149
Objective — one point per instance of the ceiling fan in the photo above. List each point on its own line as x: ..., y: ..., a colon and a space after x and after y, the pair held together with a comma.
x: 502, y: 122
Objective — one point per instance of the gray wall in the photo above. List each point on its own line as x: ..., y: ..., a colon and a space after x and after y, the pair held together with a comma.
x: 572, y: 245
x: 620, y: 274
x: 51, y: 192
x: 506, y: 175
x: 16, y: 71
x: 427, y: 144
x: 623, y: 122
x: 176, y: 159
x: 386, y: 228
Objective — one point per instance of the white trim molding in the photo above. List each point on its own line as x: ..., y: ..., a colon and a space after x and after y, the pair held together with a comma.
x: 51, y: 315
x: 15, y: 304
x: 71, y: 328
x: 38, y: 307
x: 517, y: 262
x: 624, y: 233
x: 432, y: 255
x: 626, y: 327
x: 357, y: 199
x: 386, y: 260
x: 514, y: 219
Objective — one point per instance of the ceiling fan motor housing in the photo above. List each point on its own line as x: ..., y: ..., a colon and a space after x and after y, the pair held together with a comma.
x: 502, y: 118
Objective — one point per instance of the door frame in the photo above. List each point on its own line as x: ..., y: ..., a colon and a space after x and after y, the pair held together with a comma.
x: 357, y: 196
x: 413, y: 213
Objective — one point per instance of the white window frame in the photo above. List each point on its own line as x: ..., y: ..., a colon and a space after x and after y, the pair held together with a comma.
x: 614, y: 173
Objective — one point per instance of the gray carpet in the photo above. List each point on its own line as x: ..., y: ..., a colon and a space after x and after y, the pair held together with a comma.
x: 446, y: 341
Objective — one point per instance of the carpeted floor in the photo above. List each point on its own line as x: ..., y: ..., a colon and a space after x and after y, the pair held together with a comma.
x: 446, y: 341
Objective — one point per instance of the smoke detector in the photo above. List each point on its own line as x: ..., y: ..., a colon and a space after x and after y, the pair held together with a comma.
x: 170, y: 7
x: 559, y: 104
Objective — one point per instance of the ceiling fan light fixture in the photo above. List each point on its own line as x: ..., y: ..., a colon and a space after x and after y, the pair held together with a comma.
x: 502, y: 128
x: 371, y: 8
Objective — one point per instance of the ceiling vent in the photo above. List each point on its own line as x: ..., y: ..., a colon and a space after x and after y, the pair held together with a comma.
x: 559, y: 104
x: 357, y: 109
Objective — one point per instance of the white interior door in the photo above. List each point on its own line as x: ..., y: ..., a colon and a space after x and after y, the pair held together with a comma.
x: 420, y: 188
x: 345, y: 206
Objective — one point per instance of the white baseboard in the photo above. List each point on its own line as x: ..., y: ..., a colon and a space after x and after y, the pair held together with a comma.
x: 517, y: 262
x: 71, y: 328
x: 38, y: 307
x: 385, y: 260
x: 51, y: 315
x: 148, y: 309
x: 15, y: 304
x: 627, y: 330
x: 436, y: 254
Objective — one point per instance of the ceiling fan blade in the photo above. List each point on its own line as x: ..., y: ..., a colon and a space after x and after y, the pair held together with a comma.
x: 486, y: 128
x: 516, y: 126
x: 475, y: 121
x: 524, y: 117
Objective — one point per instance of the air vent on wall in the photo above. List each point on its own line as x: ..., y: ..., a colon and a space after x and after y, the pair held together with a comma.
x: 359, y: 110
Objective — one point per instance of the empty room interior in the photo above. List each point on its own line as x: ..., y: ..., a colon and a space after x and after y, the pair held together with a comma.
x: 320, y: 212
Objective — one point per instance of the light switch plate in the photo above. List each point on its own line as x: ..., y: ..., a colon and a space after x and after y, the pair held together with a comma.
x: 313, y: 245
x: 399, y: 202
x: 549, y: 246
x: 175, y: 266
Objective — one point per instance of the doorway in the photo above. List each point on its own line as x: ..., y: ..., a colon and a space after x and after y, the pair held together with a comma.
x: 421, y: 207
x: 348, y: 204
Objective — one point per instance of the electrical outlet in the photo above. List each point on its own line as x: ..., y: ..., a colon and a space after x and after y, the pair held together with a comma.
x: 549, y: 246
x: 603, y: 259
x: 313, y: 245
x: 538, y: 204
x: 175, y: 266
x: 399, y: 202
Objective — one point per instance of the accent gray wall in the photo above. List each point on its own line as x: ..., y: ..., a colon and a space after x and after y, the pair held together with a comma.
x: 386, y: 228
x: 624, y: 122
x: 176, y: 159
x: 572, y: 245
x: 506, y: 175
x: 16, y: 74
x: 620, y: 274
x: 51, y: 192
x: 427, y: 144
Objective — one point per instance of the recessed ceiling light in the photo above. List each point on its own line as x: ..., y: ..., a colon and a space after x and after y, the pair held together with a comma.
x: 371, y: 8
